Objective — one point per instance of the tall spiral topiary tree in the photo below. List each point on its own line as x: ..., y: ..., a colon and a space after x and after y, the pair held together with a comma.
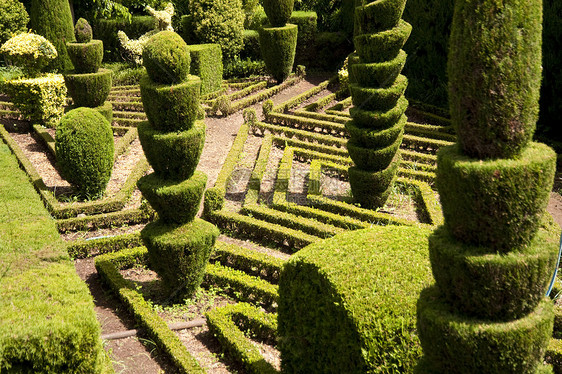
x: 278, y: 40
x: 493, y: 258
x: 179, y: 245
x: 88, y: 85
x: 377, y: 91
x: 53, y: 20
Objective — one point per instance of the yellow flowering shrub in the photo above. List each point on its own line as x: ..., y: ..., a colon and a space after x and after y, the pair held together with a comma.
x: 29, y: 51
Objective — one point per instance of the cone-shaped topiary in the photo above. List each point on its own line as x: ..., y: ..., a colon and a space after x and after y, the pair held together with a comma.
x: 493, y: 258
x: 377, y: 92
x: 179, y: 245
x: 278, y: 11
x: 83, y: 31
x: 84, y: 149
x: 166, y: 58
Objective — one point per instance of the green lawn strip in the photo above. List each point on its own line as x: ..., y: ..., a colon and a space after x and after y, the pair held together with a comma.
x: 48, y: 321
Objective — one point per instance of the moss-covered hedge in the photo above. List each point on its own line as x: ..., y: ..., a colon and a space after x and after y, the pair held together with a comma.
x: 86, y: 57
x: 206, y: 63
x: 344, y: 307
x: 278, y: 46
x: 89, y: 90
x: 48, y: 322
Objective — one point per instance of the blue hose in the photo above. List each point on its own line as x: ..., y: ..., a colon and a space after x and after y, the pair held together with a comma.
x: 555, y: 269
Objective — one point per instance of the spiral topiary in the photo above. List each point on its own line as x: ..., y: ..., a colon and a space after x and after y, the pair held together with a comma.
x: 84, y: 149
x: 178, y: 244
x: 377, y: 91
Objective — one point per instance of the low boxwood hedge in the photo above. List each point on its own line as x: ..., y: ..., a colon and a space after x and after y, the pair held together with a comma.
x: 206, y: 63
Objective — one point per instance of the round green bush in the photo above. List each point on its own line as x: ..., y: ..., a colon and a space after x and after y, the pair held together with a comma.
x: 173, y: 155
x: 84, y: 150
x: 382, y: 46
x: 377, y: 119
x: 378, y: 15
x: 495, y: 203
x: 379, y: 74
x: 494, y: 71
x: 376, y: 138
x: 220, y: 22
x: 176, y: 202
x: 179, y: 254
x: 83, y: 31
x: 89, y: 90
x: 372, y: 159
x: 166, y: 58
x: 13, y: 19
x: 381, y: 99
x: 278, y: 46
x: 493, y: 286
x: 106, y: 110
x: 171, y: 107
x: 464, y: 345
x: 372, y: 189
x: 338, y: 315
x: 86, y: 57
x: 278, y: 11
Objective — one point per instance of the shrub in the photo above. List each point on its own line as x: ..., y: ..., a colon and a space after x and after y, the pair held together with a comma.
x: 83, y: 31
x: 378, y: 99
x: 251, y: 49
x: 55, y: 24
x: 220, y: 22
x: 278, y: 45
x: 378, y: 16
x: 206, y: 63
x: 106, y: 30
x: 166, y: 58
x: 84, y: 149
x: 13, y: 19
x: 307, y: 25
x: 125, y: 74
x: 337, y: 315
x: 278, y: 11
x: 244, y: 68
x: 86, y: 57
x: 495, y: 113
x: 29, y: 51
x: 331, y: 49
x: 333, y: 15
x: 41, y: 99
x: 384, y: 45
x: 90, y: 90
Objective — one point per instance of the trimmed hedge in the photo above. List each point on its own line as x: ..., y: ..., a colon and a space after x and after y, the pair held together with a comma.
x: 378, y: 74
x: 171, y: 107
x: 84, y: 150
x: 179, y: 254
x: 375, y: 137
x: 453, y: 343
x: 378, y: 16
x: 48, y: 322
x: 83, y: 31
x: 307, y: 25
x: 493, y: 286
x: 86, y: 57
x: 278, y: 11
x: 173, y: 155
x: 337, y: 315
x: 89, y: 90
x: 206, y: 63
x: 251, y: 49
x: 175, y: 201
x: 106, y: 30
x: 495, y: 113
x: 370, y: 159
x: 495, y: 203
x: 384, y: 45
x: 13, y: 19
x: 378, y: 99
x: 278, y: 46
x: 375, y: 119
x: 166, y: 58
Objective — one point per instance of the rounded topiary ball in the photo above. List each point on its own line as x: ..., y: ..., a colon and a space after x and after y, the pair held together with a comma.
x: 83, y: 31
x: 166, y: 58
x: 84, y: 150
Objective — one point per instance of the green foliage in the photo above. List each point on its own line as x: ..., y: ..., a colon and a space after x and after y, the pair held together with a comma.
x: 372, y: 189
x: 378, y: 99
x: 166, y: 58
x: 495, y: 203
x: 492, y: 286
x: 171, y: 107
x: 379, y: 74
x: 206, y: 63
x: 331, y: 49
x: 13, y: 19
x: 373, y: 159
x: 364, y: 320
x: 179, y: 254
x: 8, y: 73
x: 377, y: 16
x: 173, y: 155
x: 376, y: 138
x: 41, y: 99
x: 278, y: 46
x: 176, y: 202
x: 384, y: 45
x: 214, y: 201
x: 89, y: 90
x: 453, y: 343
x: 106, y: 30
x: 333, y: 15
x: 220, y: 22
x: 84, y: 148
x: 278, y: 11
x: 495, y: 113
x: 86, y: 57
x: 83, y: 31
x: 251, y: 48
x: 374, y: 119
x: 124, y: 74
x: 307, y: 25
x: 243, y: 68
x: 30, y: 52
x: 53, y: 20
x: 48, y: 323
